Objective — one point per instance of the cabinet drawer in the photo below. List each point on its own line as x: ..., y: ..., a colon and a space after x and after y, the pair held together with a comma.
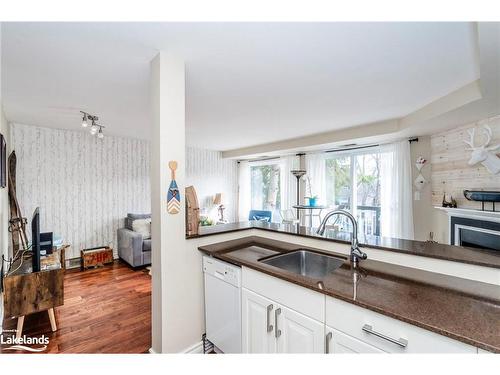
x: 297, y: 298
x: 382, y: 331
x: 340, y: 343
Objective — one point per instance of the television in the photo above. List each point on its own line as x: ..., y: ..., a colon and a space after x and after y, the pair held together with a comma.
x: 35, y: 240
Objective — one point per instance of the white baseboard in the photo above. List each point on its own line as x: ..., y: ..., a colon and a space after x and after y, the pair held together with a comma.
x: 194, y: 349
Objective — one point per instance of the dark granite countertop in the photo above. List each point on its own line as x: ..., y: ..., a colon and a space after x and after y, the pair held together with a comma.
x: 464, y: 310
x: 478, y: 257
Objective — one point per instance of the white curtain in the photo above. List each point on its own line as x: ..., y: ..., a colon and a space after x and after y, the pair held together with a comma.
x: 316, y: 175
x: 288, y: 181
x: 244, y: 190
x: 396, y: 191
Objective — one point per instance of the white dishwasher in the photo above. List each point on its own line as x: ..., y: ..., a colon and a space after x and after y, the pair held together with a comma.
x: 223, y: 304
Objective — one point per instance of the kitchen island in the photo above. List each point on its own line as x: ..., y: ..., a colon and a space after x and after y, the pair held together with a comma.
x: 442, y: 298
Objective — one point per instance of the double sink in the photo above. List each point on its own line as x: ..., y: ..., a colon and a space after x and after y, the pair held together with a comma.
x: 305, y: 263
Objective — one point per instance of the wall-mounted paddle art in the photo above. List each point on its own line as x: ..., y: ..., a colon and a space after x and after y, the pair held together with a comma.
x: 173, y: 195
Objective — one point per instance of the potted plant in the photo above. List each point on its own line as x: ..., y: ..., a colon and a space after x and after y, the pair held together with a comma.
x: 312, y: 199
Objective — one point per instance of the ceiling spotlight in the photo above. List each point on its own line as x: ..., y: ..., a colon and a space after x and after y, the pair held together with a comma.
x: 84, y: 120
x: 94, y: 128
x: 100, y: 134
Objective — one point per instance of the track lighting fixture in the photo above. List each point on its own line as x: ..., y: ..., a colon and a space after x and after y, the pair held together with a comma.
x: 95, y: 128
x: 84, y: 121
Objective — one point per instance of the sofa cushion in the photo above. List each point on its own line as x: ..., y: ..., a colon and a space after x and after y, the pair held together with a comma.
x: 146, y: 245
x: 131, y: 217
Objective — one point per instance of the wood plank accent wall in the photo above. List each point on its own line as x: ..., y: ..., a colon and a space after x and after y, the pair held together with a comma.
x: 450, y: 171
x: 84, y: 186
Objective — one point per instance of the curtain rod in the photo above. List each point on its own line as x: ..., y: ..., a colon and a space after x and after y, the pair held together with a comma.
x: 262, y: 159
x: 351, y: 148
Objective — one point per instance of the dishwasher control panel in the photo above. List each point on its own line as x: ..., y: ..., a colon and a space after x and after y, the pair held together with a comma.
x: 226, y: 272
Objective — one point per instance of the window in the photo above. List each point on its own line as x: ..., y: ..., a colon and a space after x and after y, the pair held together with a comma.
x: 266, y: 188
x: 267, y: 185
x: 353, y: 183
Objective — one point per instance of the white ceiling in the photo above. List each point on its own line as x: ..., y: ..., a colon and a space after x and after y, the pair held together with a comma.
x: 247, y: 84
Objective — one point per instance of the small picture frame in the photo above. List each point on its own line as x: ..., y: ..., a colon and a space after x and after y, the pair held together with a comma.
x: 3, y: 162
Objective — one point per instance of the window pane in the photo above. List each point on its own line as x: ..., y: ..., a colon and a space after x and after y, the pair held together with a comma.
x: 266, y: 189
x: 368, y: 193
x: 364, y: 199
x: 338, y: 182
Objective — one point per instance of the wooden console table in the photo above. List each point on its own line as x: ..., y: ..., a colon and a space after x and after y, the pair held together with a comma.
x: 29, y: 292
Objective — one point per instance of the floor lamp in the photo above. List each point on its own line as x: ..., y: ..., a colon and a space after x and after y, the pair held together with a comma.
x: 298, y: 173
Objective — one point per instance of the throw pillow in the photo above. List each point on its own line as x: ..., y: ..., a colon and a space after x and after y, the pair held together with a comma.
x: 261, y: 218
x: 142, y: 226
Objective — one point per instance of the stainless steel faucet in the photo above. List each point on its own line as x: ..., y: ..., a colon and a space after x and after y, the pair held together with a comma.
x: 356, y: 253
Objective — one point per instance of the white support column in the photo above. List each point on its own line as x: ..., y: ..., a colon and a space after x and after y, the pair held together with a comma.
x: 168, y: 231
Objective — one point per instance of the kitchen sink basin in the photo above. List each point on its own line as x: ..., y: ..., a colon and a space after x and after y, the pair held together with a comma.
x: 305, y: 263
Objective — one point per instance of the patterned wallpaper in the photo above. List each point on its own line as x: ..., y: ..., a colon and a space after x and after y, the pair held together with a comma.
x: 84, y: 186
x: 210, y: 174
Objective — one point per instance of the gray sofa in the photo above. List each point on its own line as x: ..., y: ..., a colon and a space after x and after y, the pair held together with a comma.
x: 132, y: 248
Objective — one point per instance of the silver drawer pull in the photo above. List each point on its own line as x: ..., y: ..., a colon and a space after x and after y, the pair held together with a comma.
x: 328, y: 338
x: 269, y: 326
x: 277, y: 332
x: 401, y: 342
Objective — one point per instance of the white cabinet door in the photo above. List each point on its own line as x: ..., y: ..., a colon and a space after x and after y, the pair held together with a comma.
x: 388, y: 334
x: 297, y: 333
x: 257, y: 323
x: 338, y: 343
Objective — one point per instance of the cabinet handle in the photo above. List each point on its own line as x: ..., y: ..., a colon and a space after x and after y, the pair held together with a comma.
x: 400, y: 342
x: 328, y: 338
x: 269, y: 326
x: 277, y: 332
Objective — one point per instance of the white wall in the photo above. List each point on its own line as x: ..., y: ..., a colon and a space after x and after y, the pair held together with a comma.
x: 84, y: 186
x: 210, y: 174
x: 422, y: 208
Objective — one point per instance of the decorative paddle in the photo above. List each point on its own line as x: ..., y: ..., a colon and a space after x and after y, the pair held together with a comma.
x: 173, y: 195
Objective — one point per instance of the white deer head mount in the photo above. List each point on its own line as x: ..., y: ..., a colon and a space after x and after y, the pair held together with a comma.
x: 484, y: 154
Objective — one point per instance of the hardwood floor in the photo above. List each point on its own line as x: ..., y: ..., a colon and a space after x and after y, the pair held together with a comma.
x: 106, y: 310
